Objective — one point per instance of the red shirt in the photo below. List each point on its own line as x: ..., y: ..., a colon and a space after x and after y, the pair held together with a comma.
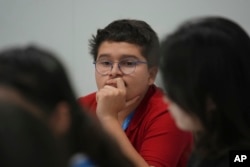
x: 153, y: 132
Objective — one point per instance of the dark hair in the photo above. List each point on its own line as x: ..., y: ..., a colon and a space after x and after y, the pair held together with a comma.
x: 131, y: 31
x: 208, y: 59
x: 41, y: 78
x: 37, y: 74
x: 25, y: 140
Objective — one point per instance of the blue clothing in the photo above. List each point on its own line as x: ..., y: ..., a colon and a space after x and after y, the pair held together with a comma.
x: 81, y: 160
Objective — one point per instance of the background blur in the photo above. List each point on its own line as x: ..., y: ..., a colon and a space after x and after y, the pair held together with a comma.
x: 65, y: 26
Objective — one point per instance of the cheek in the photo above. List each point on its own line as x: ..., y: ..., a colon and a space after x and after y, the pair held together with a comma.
x: 139, y: 78
x: 100, y: 80
x: 175, y: 111
x: 183, y: 120
x: 136, y: 85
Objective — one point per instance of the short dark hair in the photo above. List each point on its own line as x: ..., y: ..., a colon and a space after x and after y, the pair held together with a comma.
x: 136, y: 32
x: 210, y: 58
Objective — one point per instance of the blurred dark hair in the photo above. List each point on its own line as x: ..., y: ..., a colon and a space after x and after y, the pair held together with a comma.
x: 37, y: 74
x: 42, y: 79
x: 208, y: 59
x: 25, y: 140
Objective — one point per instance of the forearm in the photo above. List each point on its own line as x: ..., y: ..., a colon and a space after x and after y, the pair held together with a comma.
x: 113, y: 127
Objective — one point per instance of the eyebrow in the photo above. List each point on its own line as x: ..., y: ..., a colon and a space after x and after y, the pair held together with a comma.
x: 122, y: 57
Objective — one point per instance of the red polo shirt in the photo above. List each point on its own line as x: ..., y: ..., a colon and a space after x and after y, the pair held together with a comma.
x: 153, y: 132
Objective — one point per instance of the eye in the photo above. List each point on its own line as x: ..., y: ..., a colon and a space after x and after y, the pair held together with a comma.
x: 105, y: 63
x: 128, y: 63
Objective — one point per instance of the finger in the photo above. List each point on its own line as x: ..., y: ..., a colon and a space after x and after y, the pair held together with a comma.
x: 120, y: 83
x: 112, y: 82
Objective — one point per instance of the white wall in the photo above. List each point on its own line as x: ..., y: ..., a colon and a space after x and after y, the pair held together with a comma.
x: 66, y: 25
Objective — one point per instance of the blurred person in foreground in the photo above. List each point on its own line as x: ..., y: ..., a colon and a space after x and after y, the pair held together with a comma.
x: 206, y: 74
x: 39, y: 76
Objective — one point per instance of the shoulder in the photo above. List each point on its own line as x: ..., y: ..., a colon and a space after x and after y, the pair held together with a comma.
x: 154, y: 104
x: 153, y: 113
x: 87, y: 98
x: 88, y: 101
x: 152, y: 108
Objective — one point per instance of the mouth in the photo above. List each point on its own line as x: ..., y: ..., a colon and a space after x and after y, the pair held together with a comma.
x: 114, y: 84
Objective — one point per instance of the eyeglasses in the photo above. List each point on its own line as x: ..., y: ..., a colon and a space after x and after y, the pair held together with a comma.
x: 125, y: 66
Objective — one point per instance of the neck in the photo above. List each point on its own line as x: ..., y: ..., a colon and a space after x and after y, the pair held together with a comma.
x: 122, y: 115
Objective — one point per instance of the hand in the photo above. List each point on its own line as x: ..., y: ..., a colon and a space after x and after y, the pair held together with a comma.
x: 112, y: 99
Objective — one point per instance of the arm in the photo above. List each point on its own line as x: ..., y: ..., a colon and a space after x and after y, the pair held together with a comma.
x: 110, y: 101
x: 114, y: 128
x: 162, y: 143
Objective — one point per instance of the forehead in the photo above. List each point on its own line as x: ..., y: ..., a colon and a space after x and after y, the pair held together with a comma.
x: 119, y: 50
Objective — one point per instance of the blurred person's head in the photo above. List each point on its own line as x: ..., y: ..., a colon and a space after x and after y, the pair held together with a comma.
x: 41, y: 78
x: 206, y: 75
x: 25, y: 138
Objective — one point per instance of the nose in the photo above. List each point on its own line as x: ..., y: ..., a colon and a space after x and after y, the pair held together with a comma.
x: 115, y: 70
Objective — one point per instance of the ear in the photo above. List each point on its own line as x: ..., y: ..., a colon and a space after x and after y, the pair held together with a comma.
x: 210, y: 105
x: 60, y: 120
x: 152, y: 75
